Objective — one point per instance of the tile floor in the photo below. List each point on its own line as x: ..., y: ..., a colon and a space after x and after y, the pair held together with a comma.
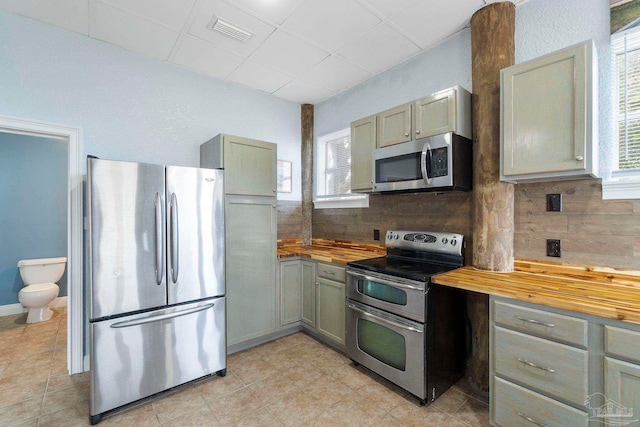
x: 293, y: 381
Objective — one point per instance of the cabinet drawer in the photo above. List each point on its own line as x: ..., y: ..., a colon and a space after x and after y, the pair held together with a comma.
x: 622, y: 342
x: 542, y: 323
x: 331, y: 272
x: 556, y: 368
x: 518, y: 406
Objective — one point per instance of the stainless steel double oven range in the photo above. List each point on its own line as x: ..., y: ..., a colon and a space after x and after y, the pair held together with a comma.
x: 402, y: 326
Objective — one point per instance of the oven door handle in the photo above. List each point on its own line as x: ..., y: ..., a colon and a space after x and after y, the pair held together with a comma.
x: 387, y: 282
x: 424, y: 167
x: 380, y: 319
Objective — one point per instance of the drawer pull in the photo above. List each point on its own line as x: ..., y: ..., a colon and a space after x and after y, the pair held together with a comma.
x: 329, y: 272
x: 531, y: 420
x: 536, y: 322
x: 533, y: 365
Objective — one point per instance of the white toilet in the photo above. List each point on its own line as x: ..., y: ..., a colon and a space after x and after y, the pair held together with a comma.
x: 39, y: 277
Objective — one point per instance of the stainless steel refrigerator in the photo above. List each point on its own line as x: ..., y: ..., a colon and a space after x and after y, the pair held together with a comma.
x: 156, y: 279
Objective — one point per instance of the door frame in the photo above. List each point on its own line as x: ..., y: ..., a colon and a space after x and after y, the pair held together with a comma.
x: 75, y: 322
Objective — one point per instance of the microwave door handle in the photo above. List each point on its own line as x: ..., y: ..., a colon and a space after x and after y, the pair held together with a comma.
x: 424, y: 165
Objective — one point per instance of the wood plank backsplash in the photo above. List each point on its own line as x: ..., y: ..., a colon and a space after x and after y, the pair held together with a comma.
x: 289, y: 219
x: 593, y: 231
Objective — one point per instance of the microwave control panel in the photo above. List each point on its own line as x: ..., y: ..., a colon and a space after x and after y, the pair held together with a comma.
x: 438, y: 164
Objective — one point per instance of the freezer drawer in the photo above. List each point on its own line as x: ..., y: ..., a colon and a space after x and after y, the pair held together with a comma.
x: 136, y: 356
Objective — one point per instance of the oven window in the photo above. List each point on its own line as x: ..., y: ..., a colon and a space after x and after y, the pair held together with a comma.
x: 382, y: 292
x: 382, y: 343
x: 399, y: 168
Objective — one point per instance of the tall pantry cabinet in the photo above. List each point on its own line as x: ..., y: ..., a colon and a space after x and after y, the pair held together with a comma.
x: 250, y: 232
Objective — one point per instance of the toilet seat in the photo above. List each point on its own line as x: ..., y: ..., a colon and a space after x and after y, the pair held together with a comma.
x: 38, y: 287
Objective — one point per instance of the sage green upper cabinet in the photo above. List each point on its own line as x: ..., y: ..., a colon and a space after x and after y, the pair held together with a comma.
x: 249, y: 165
x: 549, y: 124
x: 394, y: 126
x: 446, y: 111
x: 363, y: 142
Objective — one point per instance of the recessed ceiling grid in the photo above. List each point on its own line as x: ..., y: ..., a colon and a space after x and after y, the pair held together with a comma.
x: 301, y: 50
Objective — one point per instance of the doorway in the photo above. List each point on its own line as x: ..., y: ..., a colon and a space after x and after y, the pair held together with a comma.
x: 76, y: 362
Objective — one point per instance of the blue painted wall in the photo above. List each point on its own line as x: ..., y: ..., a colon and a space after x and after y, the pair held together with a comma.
x: 33, y: 206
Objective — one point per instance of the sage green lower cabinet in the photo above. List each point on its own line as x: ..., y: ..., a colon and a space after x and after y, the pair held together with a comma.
x: 330, y: 319
x: 290, y: 278
x: 250, y: 270
x: 622, y: 388
x: 308, y: 282
x: 554, y: 367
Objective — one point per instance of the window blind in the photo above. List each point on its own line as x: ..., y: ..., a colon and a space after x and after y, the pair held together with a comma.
x: 626, y: 48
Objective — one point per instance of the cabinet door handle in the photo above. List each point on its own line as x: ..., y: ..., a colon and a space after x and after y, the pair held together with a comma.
x: 579, y: 158
x: 532, y: 420
x: 417, y: 132
x: 533, y: 365
x: 406, y: 134
x: 536, y: 322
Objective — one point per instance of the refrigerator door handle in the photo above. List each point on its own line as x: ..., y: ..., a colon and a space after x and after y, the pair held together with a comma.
x: 174, y: 237
x: 159, y: 239
x: 151, y: 319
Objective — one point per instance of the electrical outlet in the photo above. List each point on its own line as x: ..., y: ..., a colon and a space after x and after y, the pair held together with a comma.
x: 376, y: 234
x: 554, y: 247
x: 554, y: 202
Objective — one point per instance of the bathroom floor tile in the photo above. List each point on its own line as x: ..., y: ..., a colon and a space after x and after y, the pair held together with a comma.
x: 292, y: 381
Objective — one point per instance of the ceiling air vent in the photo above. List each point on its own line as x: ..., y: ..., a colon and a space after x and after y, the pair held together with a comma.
x: 229, y: 30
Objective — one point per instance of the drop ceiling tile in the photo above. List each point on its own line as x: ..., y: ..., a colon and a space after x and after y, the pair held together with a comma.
x: 206, y: 12
x: 288, y: 54
x: 304, y: 92
x: 71, y: 15
x: 331, y: 23
x: 259, y: 76
x: 131, y: 32
x: 335, y: 73
x: 390, y: 7
x: 206, y: 58
x: 382, y: 48
x: 431, y: 21
x: 273, y: 10
x: 173, y: 13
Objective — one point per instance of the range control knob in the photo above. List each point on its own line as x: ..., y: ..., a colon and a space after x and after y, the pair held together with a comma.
x: 445, y: 240
x: 396, y: 237
x: 454, y: 242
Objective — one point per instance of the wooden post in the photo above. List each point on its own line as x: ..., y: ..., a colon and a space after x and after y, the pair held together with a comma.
x: 492, y: 48
x: 307, y: 171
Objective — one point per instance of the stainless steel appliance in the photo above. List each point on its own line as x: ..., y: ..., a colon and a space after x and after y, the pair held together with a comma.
x: 399, y: 324
x: 437, y: 163
x: 156, y: 279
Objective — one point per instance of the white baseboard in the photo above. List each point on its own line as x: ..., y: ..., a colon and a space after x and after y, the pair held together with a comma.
x: 11, y: 309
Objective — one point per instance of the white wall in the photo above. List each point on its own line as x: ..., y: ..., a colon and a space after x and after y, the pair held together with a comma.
x: 542, y: 26
x: 131, y: 107
x: 446, y: 65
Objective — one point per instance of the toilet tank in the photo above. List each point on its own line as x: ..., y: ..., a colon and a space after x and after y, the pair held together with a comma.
x: 41, y: 270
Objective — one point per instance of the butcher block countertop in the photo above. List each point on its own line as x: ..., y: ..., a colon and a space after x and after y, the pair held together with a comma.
x: 335, y: 251
x: 600, y: 291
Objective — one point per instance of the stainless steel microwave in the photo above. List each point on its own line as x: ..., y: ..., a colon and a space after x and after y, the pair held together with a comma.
x: 437, y: 163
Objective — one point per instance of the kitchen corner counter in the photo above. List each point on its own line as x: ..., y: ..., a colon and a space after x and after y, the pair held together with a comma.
x: 334, y: 251
x: 600, y: 291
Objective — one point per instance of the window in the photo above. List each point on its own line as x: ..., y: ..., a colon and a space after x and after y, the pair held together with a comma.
x: 333, y: 173
x: 626, y: 62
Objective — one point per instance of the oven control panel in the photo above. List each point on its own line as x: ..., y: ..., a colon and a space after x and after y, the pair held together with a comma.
x: 447, y: 243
